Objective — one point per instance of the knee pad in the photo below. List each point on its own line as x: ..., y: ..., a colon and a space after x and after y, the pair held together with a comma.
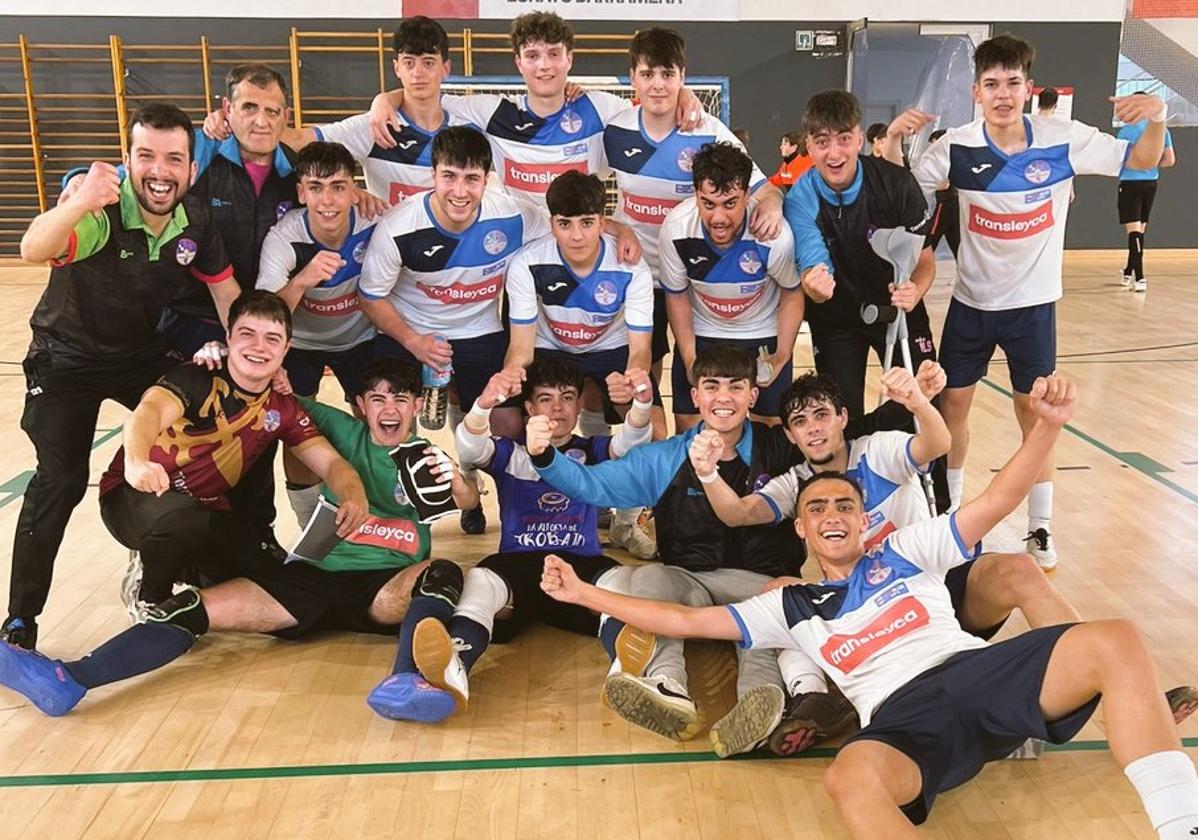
x: 184, y: 610
x: 484, y: 594
x: 440, y: 579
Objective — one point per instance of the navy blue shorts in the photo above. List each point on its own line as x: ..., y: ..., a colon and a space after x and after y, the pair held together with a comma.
x: 661, y: 327
x: 955, y: 581
x: 306, y: 367
x: 596, y: 366
x: 1028, y: 337
x: 769, y: 400
x: 975, y: 708
x: 475, y: 361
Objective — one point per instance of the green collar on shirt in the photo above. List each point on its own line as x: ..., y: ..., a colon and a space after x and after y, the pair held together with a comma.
x: 132, y: 219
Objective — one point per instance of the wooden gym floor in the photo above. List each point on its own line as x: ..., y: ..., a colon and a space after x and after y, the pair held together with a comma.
x: 248, y: 737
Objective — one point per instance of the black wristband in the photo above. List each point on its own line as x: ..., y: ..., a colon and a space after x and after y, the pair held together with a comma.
x: 543, y: 459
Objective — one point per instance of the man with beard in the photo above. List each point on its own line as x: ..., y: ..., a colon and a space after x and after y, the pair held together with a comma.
x: 121, y: 251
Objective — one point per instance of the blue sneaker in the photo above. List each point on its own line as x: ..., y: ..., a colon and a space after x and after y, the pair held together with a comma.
x: 43, y: 681
x: 410, y: 697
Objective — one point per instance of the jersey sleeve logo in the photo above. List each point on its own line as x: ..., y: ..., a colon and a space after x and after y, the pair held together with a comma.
x: 185, y: 251
x: 848, y: 651
x: 1011, y: 225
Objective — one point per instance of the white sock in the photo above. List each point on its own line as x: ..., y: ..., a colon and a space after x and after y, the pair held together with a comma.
x: 591, y: 423
x: 1168, y: 786
x: 956, y: 483
x: 800, y: 674
x: 625, y: 516
x: 484, y: 594
x: 1039, y: 506
x: 303, y: 502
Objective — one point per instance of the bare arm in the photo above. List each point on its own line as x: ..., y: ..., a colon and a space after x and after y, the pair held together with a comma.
x: 734, y: 511
x: 640, y: 349
x: 1169, y: 158
x: 521, y: 343
x: 223, y: 295
x: 319, y: 456
x: 790, y: 318
x: 682, y: 325
x: 49, y: 235
x: 158, y: 409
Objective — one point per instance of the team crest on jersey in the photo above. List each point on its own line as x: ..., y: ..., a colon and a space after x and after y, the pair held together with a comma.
x: 749, y: 262
x: 571, y: 122
x: 283, y: 207
x: 685, y: 158
x: 877, y: 573
x: 553, y: 502
x: 761, y: 481
x: 494, y: 242
x: 185, y: 251
x: 605, y: 293
x: 577, y: 455
x: 272, y: 420
x: 360, y: 251
x: 1037, y: 171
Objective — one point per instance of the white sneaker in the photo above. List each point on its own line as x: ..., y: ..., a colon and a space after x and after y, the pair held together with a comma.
x: 437, y: 659
x: 1039, y: 544
x: 630, y: 537
x: 1125, y: 280
x: 1140, y: 285
x: 131, y: 587
x: 658, y: 704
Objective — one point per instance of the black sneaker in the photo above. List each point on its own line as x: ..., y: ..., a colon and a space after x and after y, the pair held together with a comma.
x: 1183, y: 701
x: 810, y: 718
x: 21, y: 632
x: 474, y: 521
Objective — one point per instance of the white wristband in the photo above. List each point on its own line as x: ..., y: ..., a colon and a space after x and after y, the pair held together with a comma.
x: 1162, y: 114
x: 647, y: 405
x: 479, y: 412
x: 710, y: 478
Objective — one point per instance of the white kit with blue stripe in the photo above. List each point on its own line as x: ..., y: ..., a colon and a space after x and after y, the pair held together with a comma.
x: 328, y: 316
x: 1013, y: 207
x: 734, y: 291
x: 889, y: 621
x: 654, y: 177
x: 883, y: 468
x: 579, y: 314
x: 443, y: 282
x: 391, y: 174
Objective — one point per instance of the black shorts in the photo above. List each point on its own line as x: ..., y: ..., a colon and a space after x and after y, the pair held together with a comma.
x: 322, y: 600
x: 976, y: 707
x: 956, y: 581
x: 661, y: 327
x: 1027, y: 335
x: 769, y: 399
x: 306, y: 367
x: 595, y: 366
x: 521, y: 571
x: 1135, y: 201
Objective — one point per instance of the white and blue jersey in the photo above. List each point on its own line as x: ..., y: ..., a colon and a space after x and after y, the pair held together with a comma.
x: 1132, y: 133
x: 734, y: 291
x: 888, y: 476
x: 579, y: 314
x: 1013, y: 207
x: 529, y: 151
x: 889, y: 621
x: 327, y: 316
x: 391, y: 174
x: 654, y: 177
x: 443, y: 282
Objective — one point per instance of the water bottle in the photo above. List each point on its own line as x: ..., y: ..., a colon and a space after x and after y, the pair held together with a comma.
x: 436, y: 396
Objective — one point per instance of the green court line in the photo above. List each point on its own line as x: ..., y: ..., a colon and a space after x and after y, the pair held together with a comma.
x: 300, y: 771
x: 1138, y: 461
x: 14, y: 488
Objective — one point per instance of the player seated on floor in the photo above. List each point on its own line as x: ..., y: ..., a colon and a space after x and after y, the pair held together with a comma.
x: 937, y: 703
x: 365, y: 583
x: 502, y: 593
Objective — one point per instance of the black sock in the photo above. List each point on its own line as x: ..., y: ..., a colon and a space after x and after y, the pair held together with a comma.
x: 474, y: 635
x: 607, y: 636
x: 422, y: 607
x: 139, y: 649
x: 1138, y: 251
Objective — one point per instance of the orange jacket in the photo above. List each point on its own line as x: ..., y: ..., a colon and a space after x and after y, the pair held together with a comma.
x: 789, y: 172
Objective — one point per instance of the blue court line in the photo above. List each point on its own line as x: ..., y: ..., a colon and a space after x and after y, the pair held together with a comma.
x: 1138, y: 461
x: 227, y: 774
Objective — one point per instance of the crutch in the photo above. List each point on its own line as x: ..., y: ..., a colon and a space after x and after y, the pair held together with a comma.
x: 901, y: 249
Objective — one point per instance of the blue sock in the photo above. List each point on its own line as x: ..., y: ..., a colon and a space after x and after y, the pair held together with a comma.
x: 607, y: 636
x: 139, y: 649
x: 474, y: 635
x: 422, y: 607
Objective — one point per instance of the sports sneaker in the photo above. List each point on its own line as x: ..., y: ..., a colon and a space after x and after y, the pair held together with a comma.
x: 131, y: 587
x: 1140, y: 285
x: 658, y: 704
x: 749, y: 724
x: 21, y: 632
x: 410, y: 697
x: 436, y: 655
x: 1126, y: 280
x: 1029, y: 750
x: 1038, y: 543
x: 630, y: 537
x: 44, y: 682
x: 634, y: 649
x: 1183, y: 701
x: 809, y: 718
x: 474, y: 521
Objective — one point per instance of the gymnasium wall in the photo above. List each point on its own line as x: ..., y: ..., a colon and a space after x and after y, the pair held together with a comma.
x: 769, y: 83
